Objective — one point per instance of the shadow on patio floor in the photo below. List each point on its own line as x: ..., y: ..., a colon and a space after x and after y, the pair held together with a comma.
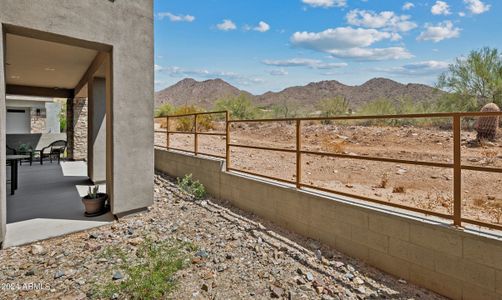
x: 48, y: 203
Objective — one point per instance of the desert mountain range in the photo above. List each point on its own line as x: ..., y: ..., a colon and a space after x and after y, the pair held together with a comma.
x: 204, y: 93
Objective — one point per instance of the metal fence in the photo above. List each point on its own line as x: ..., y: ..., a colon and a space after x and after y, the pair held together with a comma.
x: 194, y: 119
x: 456, y: 166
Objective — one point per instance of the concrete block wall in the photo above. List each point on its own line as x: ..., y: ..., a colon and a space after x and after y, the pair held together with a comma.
x: 449, y: 261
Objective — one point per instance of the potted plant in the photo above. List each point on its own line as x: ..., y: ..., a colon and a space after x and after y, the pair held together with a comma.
x: 95, y: 202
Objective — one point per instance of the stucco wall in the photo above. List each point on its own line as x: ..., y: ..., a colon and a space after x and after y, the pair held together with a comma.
x: 127, y: 26
x: 451, y: 262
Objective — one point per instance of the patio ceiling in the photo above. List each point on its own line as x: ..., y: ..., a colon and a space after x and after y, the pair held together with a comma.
x: 38, y: 63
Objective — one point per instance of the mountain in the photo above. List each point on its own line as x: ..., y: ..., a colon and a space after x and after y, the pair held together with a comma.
x: 204, y: 93
x: 201, y: 93
x: 373, y: 89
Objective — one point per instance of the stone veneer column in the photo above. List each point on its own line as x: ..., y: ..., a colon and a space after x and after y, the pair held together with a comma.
x: 37, y: 123
x: 77, y: 128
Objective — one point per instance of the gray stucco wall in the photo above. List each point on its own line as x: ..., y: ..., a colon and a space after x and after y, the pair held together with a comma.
x: 128, y: 27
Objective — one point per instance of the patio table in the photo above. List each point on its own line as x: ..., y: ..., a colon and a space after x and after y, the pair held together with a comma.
x: 14, y: 159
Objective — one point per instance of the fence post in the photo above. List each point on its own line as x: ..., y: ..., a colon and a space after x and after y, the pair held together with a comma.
x: 298, y: 154
x: 167, y: 132
x: 227, y: 141
x: 457, y: 172
x: 196, y: 137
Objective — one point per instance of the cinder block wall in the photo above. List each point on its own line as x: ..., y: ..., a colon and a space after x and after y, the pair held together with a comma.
x: 451, y: 262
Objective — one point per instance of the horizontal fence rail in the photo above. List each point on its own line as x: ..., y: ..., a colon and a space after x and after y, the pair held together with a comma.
x: 456, y: 165
x: 195, y: 131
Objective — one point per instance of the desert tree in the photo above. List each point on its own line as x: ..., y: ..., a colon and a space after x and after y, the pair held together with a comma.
x: 477, y: 77
x: 240, y: 107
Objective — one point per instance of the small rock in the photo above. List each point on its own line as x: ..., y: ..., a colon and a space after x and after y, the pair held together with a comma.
x: 205, y: 287
x: 361, y: 290
x: 202, y: 253
x: 319, y: 289
x: 135, y: 241
x: 117, y: 276
x: 309, y: 276
x: 276, y: 292
x: 93, y: 236
x: 30, y: 273
x: 37, y: 249
x: 402, y: 281
x: 300, y: 281
x: 318, y: 254
x: 130, y: 231
x: 58, y: 274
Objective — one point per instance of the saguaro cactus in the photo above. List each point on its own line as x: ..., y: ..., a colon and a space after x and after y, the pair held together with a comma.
x: 487, y: 126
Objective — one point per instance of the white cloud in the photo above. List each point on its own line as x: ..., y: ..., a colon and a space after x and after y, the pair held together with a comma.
x: 304, y: 62
x: 461, y: 14
x: 441, y: 31
x: 278, y: 72
x: 440, y: 8
x: 390, y: 53
x: 226, y: 25
x: 386, y: 20
x: 261, y: 27
x: 176, y: 18
x: 340, y: 37
x: 422, y: 68
x: 325, y: 3
x: 179, y: 72
x: 348, y: 42
x: 408, y: 6
x: 158, y: 68
x: 477, y: 6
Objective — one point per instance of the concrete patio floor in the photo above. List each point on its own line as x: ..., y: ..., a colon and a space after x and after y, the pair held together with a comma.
x: 48, y: 203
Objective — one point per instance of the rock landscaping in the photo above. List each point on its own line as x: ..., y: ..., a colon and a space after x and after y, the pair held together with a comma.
x: 224, y: 253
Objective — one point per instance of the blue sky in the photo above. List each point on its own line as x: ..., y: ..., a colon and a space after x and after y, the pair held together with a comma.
x: 263, y: 45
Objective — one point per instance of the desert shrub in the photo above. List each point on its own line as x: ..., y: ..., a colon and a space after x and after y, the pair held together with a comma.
x: 186, y: 124
x: 62, y: 118
x: 285, y: 110
x: 149, y: 272
x: 191, y: 186
x: 240, y: 107
x: 331, y: 107
x: 165, y: 109
x: 401, y: 106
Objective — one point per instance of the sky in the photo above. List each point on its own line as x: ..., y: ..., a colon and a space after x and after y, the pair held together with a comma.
x: 269, y: 45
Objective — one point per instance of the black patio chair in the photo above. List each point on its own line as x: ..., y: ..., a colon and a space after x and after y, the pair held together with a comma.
x: 25, y: 149
x: 53, y: 151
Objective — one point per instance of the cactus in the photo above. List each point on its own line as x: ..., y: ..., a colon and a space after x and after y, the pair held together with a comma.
x: 487, y: 126
x: 93, y: 192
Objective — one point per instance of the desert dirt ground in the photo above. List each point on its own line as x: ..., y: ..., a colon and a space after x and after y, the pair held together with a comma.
x: 425, y: 187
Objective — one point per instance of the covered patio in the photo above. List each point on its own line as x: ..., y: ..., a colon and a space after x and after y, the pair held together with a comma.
x: 48, y: 202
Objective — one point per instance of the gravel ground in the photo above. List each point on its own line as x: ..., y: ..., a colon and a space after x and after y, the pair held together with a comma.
x: 240, y: 256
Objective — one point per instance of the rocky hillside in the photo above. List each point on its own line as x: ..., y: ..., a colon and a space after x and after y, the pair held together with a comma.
x: 190, y: 91
x: 201, y: 93
x: 311, y: 93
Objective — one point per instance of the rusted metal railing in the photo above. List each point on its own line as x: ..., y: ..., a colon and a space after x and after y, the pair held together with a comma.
x: 456, y: 166
x: 195, y: 132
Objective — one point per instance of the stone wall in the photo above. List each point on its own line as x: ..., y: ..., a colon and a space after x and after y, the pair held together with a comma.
x: 77, y: 110
x: 457, y: 263
x: 37, y: 123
